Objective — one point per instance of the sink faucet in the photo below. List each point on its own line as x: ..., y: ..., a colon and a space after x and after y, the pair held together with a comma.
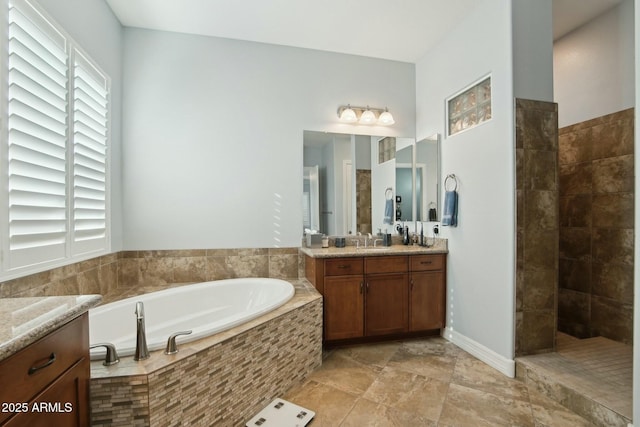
x: 366, y: 239
x: 142, y: 352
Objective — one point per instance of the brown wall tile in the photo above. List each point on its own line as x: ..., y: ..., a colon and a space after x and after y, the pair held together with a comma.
x: 597, y: 226
x: 575, y: 179
x: 575, y: 147
x: 613, y: 210
x: 575, y: 210
x: 613, y: 174
x: 575, y: 275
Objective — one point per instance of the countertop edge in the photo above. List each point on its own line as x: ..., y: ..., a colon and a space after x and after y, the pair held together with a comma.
x: 16, y: 343
x: 361, y: 252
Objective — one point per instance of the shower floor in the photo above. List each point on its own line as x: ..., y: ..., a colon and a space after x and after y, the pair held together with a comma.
x: 592, y: 374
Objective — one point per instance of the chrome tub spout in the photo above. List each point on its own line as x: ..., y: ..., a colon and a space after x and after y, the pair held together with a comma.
x: 142, y: 351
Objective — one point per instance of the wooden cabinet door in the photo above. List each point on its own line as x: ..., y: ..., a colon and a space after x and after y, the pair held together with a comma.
x: 343, y: 307
x: 386, y: 299
x: 427, y: 300
x: 62, y: 403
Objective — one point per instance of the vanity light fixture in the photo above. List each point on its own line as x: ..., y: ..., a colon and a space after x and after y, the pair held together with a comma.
x: 347, y: 115
x: 365, y: 115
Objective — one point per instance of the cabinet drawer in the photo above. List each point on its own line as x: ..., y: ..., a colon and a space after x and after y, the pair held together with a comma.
x: 37, y: 365
x: 343, y: 266
x: 427, y: 262
x: 386, y: 264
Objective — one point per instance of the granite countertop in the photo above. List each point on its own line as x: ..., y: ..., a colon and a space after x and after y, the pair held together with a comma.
x: 25, y: 320
x: 439, y: 247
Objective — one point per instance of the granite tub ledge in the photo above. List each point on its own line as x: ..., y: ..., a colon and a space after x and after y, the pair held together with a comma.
x: 440, y: 247
x: 25, y: 320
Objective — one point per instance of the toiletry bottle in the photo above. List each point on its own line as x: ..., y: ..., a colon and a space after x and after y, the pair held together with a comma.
x: 405, y: 238
x: 421, y: 234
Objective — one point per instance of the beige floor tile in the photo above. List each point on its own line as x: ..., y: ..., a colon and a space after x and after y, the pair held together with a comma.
x: 409, y: 392
x: 372, y: 414
x: 330, y: 404
x: 374, y: 355
x: 429, y: 382
x: 473, y: 373
x: 469, y: 407
x: 344, y: 373
x: 437, y: 365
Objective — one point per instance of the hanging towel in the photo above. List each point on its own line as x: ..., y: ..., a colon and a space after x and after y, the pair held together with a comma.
x: 450, y: 212
x: 388, y: 212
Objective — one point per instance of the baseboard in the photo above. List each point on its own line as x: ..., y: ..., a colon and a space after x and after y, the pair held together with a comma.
x: 488, y: 356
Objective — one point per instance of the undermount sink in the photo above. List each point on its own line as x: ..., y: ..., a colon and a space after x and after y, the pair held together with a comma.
x: 376, y: 248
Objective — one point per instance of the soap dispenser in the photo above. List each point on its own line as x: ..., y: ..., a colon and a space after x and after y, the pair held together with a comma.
x: 405, y: 237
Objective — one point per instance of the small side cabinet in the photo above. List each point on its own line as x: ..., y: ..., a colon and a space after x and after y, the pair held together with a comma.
x: 427, y: 292
x: 47, y: 382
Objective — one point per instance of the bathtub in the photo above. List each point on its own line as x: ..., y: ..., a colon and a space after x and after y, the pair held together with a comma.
x: 204, y: 308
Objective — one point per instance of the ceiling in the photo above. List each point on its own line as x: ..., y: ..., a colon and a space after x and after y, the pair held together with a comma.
x: 371, y: 28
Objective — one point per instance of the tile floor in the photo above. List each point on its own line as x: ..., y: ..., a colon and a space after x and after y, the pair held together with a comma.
x: 421, y: 382
x: 593, y: 375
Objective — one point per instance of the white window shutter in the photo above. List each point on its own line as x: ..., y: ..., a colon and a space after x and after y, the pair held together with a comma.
x: 90, y: 133
x: 37, y: 134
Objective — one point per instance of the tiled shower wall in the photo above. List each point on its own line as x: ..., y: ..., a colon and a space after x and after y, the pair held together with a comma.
x: 597, y: 227
x: 537, y: 226
x: 127, y: 269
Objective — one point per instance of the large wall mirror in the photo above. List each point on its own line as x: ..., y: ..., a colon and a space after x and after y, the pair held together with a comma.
x: 348, y: 180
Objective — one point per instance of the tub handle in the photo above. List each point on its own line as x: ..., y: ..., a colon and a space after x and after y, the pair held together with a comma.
x: 111, y: 357
x: 172, y: 347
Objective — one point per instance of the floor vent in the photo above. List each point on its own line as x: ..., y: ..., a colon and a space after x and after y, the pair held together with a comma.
x: 281, y: 413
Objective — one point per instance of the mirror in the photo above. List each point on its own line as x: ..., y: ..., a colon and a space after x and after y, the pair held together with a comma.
x: 346, y: 178
x: 427, y: 179
x: 404, y: 184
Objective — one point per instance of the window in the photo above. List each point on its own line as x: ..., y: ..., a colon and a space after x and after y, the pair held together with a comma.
x: 54, y: 147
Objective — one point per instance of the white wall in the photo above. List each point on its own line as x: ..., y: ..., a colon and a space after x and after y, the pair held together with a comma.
x: 213, y: 130
x: 95, y: 28
x: 594, y: 67
x: 481, y: 275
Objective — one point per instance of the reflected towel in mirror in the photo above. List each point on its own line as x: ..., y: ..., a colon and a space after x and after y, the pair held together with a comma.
x: 388, y: 212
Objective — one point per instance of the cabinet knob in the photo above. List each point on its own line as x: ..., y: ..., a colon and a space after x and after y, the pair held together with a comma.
x: 361, y: 285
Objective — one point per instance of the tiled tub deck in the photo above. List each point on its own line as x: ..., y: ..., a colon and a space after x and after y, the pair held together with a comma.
x: 221, y: 380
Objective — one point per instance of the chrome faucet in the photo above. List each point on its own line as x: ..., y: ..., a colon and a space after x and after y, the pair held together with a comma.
x: 111, y: 357
x: 142, y: 351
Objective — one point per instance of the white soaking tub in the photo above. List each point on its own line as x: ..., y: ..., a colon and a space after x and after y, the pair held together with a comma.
x: 204, y: 308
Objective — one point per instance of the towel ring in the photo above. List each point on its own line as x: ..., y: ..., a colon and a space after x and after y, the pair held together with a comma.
x: 388, y: 193
x: 455, y: 182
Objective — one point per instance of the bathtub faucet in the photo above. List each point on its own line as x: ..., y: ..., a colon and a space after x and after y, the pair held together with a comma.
x: 142, y: 352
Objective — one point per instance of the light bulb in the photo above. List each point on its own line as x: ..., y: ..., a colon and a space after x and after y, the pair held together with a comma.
x: 367, y: 118
x: 348, y: 115
x: 386, y: 119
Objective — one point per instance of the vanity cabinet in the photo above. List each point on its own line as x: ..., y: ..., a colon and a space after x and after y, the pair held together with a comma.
x: 47, y: 382
x: 386, y: 292
x: 378, y: 296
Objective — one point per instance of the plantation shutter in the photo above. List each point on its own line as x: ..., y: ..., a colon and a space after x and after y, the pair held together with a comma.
x: 37, y: 133
x: 90, y: 115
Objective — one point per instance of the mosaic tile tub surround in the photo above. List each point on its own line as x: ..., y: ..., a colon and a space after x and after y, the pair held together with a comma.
x: 220, y: 380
